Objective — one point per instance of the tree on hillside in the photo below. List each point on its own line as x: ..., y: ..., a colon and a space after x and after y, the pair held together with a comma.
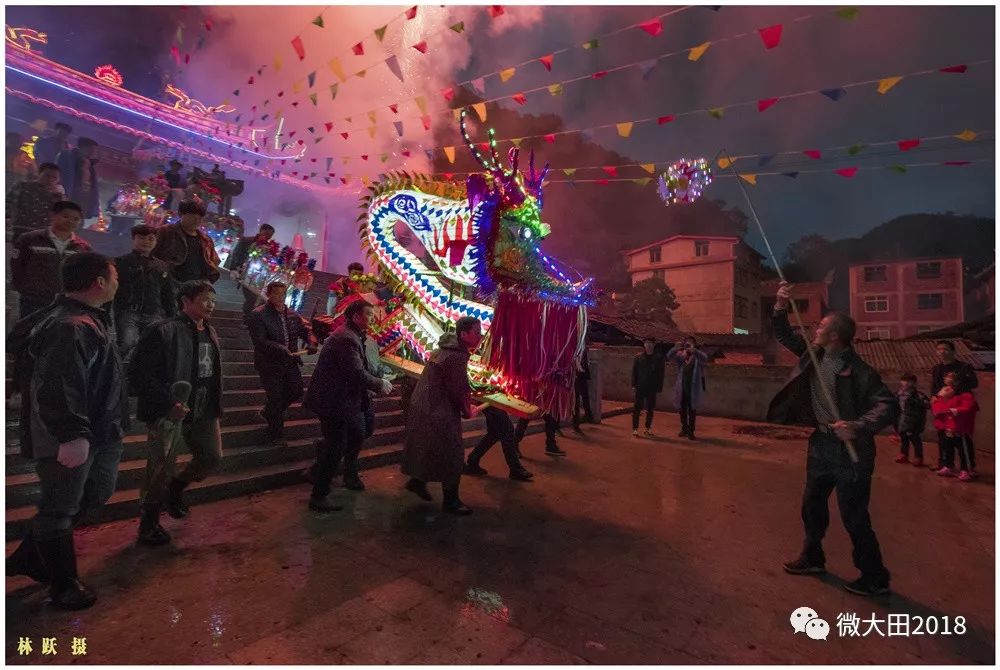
x: 651, y: 299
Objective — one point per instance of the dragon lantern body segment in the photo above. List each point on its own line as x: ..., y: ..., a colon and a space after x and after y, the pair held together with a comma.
x: 482, y: 259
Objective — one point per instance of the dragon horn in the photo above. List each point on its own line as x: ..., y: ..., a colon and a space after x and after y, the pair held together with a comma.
x: 513, y: 156
x: 468, y: 142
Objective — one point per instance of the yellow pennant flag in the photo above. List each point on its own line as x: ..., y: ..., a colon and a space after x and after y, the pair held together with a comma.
x: 967, y: 135
x: 371, y: 115
x: 337, y: 69
x: 569, y: 172
x: 277, y: 64
x: 642, y: 182
x: 480, y: 108
x: 421, y: 104
x: 556, y: 89
x: 885, y: 84
x: 749, y: 178
x: 648, y: 167
x: 365, y: 180
x: 725, y: 162
x: 507, y: 74
x: 624, y: 129
x: 296, y: 87
x: 361, y: 74
x: 450, y: 153
x: 346, y: 159
x: 278, y: 114
x: 371, y: 131
x: 698, y: 51
x: 517, y: 142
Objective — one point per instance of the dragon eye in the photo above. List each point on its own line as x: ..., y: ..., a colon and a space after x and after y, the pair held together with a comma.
x: 526, y: 233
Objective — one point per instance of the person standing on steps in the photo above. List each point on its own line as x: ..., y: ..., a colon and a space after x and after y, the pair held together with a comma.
x: 500, y: 428
x: 864, y: 406
x: 145, y: 294
x: 338, y: 394
x: 74, y: 414
x: 276, y: 332
x: 690, y: 382
x: 187, y: 249
x: 434, y: 450
x: 29, y: 203
x: 238, y: 258
x: 647, y: 383
x: 185, y: 349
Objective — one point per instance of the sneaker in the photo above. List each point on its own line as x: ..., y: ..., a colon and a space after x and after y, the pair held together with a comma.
x: 917, y: 462
x: 474, y: 469
x: 635, y: 433
x: 323, y: 505
x: 648, y: 433
x: 521, y: 475
x: 867, y: 587
x: 965, y: 476
x: 804, y: 566
x: 945, y: 471
x: 419, y: 489
x: 457, y: 507
x: 554, y: 450
x: 901, y: 458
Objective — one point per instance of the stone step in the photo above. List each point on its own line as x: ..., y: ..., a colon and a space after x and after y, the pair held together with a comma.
x: 241, y: 369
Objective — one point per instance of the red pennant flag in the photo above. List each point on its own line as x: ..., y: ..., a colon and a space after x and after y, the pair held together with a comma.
x: 411, y: 12
x: 495, y: 11
x: 955, y: 69
x: 421, y: 46
x: 665, y: 119
x: 343, y: 180
x: 653, y: 27
x: 765, y: 103
x: 300, y: 49
x: 329, y: 126
x: 295, y: 173
x: 956, y: 163
x: 250, y: 80
x: 292, y: 134
x: 847, y: 172
x: 280, y: 93
x: 906, y: 145
x: 547, y: 61
x: 176, y: 55
x: 364, y: 157
x: 302, y: 142
x: 813, y: 153
x: 208, y: 25
x: 448, y: 176
x: 771, y: 35
x: 600, y: 75
x: 295, y: 104
x: 332, y: 174
x: 484, y: 146
x: 611, y: 170
x: 550, y: 138
x: 344, y: 135
x: 603, y: 182
x: 426, y: 120
x: 448, y: 93
x: 405, y: 152
x: 519, y: 98
x: 395, y: 108
x: 358, y: 49
x: 187, y: 58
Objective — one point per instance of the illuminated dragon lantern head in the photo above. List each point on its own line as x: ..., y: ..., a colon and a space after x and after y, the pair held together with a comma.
x: 484, y: 240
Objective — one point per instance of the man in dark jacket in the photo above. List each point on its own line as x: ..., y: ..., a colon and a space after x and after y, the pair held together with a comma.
x: 175, y: 180
x: 47, y: 147
x: 74, y: 413
x: 188, y: 251
x: 78, y: 170
x: 434, y: 450
x: 29, y: 203
x: 145, y: 294
x: 238, y: 257
x: 864, y: 406
x: 965, y: 378
x: 276, y: 331
x: 913, y: 406
x: 647, y: 382
x: 338, y: 394
x: 37, y: 256
x: 177, y: 375
x: 581, y: 392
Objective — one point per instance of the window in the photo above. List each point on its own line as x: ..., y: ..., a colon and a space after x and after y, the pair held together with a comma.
x: 742, y: 277
x: 740, y: 307
x: 930, y: 301
x: 875, y: 273
x: 877, y: 334
x: 876, y: 303
x: 928, y: 270
x: 655, y: 254
x: 701, y: 248
x: 658, y: 274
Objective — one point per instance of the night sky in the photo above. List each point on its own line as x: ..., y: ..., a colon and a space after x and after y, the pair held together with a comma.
x: 823, y: 52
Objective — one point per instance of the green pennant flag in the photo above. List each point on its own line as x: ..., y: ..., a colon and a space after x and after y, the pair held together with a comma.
x: 848, y: 13
x: 569, y: 172
x: 312, y: 98
x: 901, y: 169
x: 459, y: 27
x: 642, y: 182
x: 333, y: 91
x: 592, y: 44
x: 856, y: 149
x: 318, y: 21
x: 384, y: 157
x: 716, y: 112
x: 380, y: 32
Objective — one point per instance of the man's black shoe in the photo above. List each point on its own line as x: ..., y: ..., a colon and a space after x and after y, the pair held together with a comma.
x: 151, y: 533
x: 683, y: 433
x: 323, y: 505
x: 577, y: 430
x: 474, y: 469
x: 27, y: 561
x: 865, y: 586
x: 521, y: 475
x: 175, y: 499
x: 419, y: 489
x: 804, y: 566
x: 457, y: 508
x: 554, y: 451
x: 354, y: 484
x: 691, y: 437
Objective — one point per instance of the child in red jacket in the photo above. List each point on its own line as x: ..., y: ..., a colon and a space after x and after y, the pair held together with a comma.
x: 955, y: 420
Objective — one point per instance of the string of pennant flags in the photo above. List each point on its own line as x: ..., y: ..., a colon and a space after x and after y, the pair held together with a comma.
x: 770, y: 37
x: 625, y: 128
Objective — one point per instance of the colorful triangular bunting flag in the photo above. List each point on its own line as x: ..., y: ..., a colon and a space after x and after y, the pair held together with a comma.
x: 506, y: 74
x: 624, y: 129
x: 547, y: 61
x: 885, y: 84
x: 697, y: 52
x: 771, y: 36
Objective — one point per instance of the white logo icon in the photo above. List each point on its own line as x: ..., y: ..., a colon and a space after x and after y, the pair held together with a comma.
x: 818, y: 629
x: 801, y: 617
